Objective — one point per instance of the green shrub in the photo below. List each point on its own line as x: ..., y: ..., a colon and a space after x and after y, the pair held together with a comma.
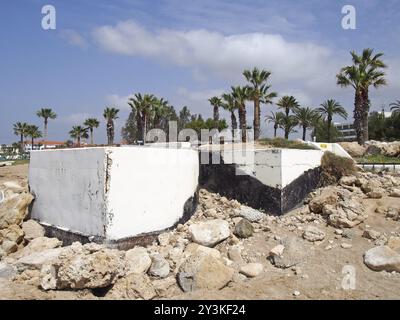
x: 286, y: 144
x: 334, y: 167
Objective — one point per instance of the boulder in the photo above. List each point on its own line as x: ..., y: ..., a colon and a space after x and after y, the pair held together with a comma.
x: 235, y: 254
x: 138, y: 260
x: 313, y: 234
x: 209, y: 233
x: 14, y: 209
x: 382, y: 258
x: 244, y: 229
x: 201, y: 271
x: 328, y: 196
x: 373, y: 150
x: 277, y: 251
x: 13, y: 233
x: 36, y: 260
x: 353, y: 149
x: 14, y: 187
x: 252, y: 270
x: 348, y: 180
x: 159, y: 266
x: 395, y: 193
x: 38, y: 245
x: 251, y: 214
x: 7, y: 271
x: 9, y: 246
x: 194, y: 248
x: 371, y: 234
x: 346, y: 214
x: 133, y: 286
x: 77, y: 268
x: 32, y: 230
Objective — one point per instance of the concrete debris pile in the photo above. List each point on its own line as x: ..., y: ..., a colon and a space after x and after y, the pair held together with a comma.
x: 389, y: 149
x: 208, y: 252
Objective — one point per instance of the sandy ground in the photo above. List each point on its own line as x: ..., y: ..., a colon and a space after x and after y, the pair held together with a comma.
x: 318, y: 277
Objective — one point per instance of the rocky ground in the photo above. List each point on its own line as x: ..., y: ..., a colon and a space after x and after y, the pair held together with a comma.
x: 343, y: 243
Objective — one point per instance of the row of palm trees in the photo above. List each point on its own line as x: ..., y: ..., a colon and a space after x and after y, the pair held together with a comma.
x: 25, y: 130
x: 304, y: 117
x: 366, y: 71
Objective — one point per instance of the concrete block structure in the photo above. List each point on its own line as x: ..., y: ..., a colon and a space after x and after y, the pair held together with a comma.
x: 274, y: 180
x: 113, y: 195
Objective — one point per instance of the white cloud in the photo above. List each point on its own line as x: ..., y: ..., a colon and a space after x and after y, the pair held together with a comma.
x: 73, y: 119
x: 74, y: 38
x: 121, y: 102
x: 223, y: 55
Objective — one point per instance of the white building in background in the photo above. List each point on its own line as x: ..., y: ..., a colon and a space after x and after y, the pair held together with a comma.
x: 41, y: 145
x: 347, y: 128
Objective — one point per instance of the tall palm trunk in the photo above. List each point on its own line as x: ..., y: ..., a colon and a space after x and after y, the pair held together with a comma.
x: 234, y: 124
x: 45, y: 131
x: 304, y: 133
x: 78, y: 141
x: 242, y: 121
x: 216, y: 113
x: 21, y: 149
x: 110, y: 132
x: 139, y: 125
x: 275, y: 130
x: 358, y: 116
x: 329, y: 128
x: 287, y: 134
x: 257, y: 116
x: 144, y: 127
x: 33, y: 141
x: 91, y: 136
x: 366, y: 106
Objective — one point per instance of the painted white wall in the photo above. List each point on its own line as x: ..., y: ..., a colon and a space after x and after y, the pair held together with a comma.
x: 294, y: 162
x: 274, y: 167
x: 146, y: 190
x: 332, y: 147
x: 69, y: 189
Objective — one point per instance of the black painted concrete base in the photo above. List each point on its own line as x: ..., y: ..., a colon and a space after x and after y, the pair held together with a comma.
x: 222, y: 178
x: 68, y: 237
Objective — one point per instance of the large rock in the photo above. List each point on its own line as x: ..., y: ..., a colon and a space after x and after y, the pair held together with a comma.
x: 36, y: 260
x: 159, y: 266
x: 328, y: 196
x: 14, y: 209
x: 251, y: 214
x: 313, y: 234
x: 13, y: 233
x: 138, y: 260
x: 194, y: 248
x: 346, y: 214
x: 382, y: 258
x: 7, y: 271
x: 203, y: 271
x: 244, y: 229
x: 9, y: 246
x: 133, y: 286
x: 252, y: 270
x: 353, y: 149
x: 38, y: 245
x: 14, y: 187
x: 78, y: 268
x: 209, y: 233
x: 32, y: 230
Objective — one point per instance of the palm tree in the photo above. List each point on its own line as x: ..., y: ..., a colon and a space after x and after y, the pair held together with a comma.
x: 144, y: 106
x: 229, y: 105
x: 34, y: 133
x: 365, y: 71
x: 288, y: 124
x: 110, y: 114
x: 395, y: 106
x: 275, y: 118
x: 216, y: 102
x: 77, y: 133
x: 161, y: 111
x: 240, y: 95
x: 305, y: 118
x: 328, y: 109
x: 46, y: 114
x: 21, y: 129
x: 259, y: 93
x: 287, y: 103
x: 91, y: 124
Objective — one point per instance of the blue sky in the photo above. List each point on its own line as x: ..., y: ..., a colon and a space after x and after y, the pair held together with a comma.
x: 185, y: 51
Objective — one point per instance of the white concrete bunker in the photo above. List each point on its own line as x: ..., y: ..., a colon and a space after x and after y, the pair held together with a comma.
x: 113, y: 194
